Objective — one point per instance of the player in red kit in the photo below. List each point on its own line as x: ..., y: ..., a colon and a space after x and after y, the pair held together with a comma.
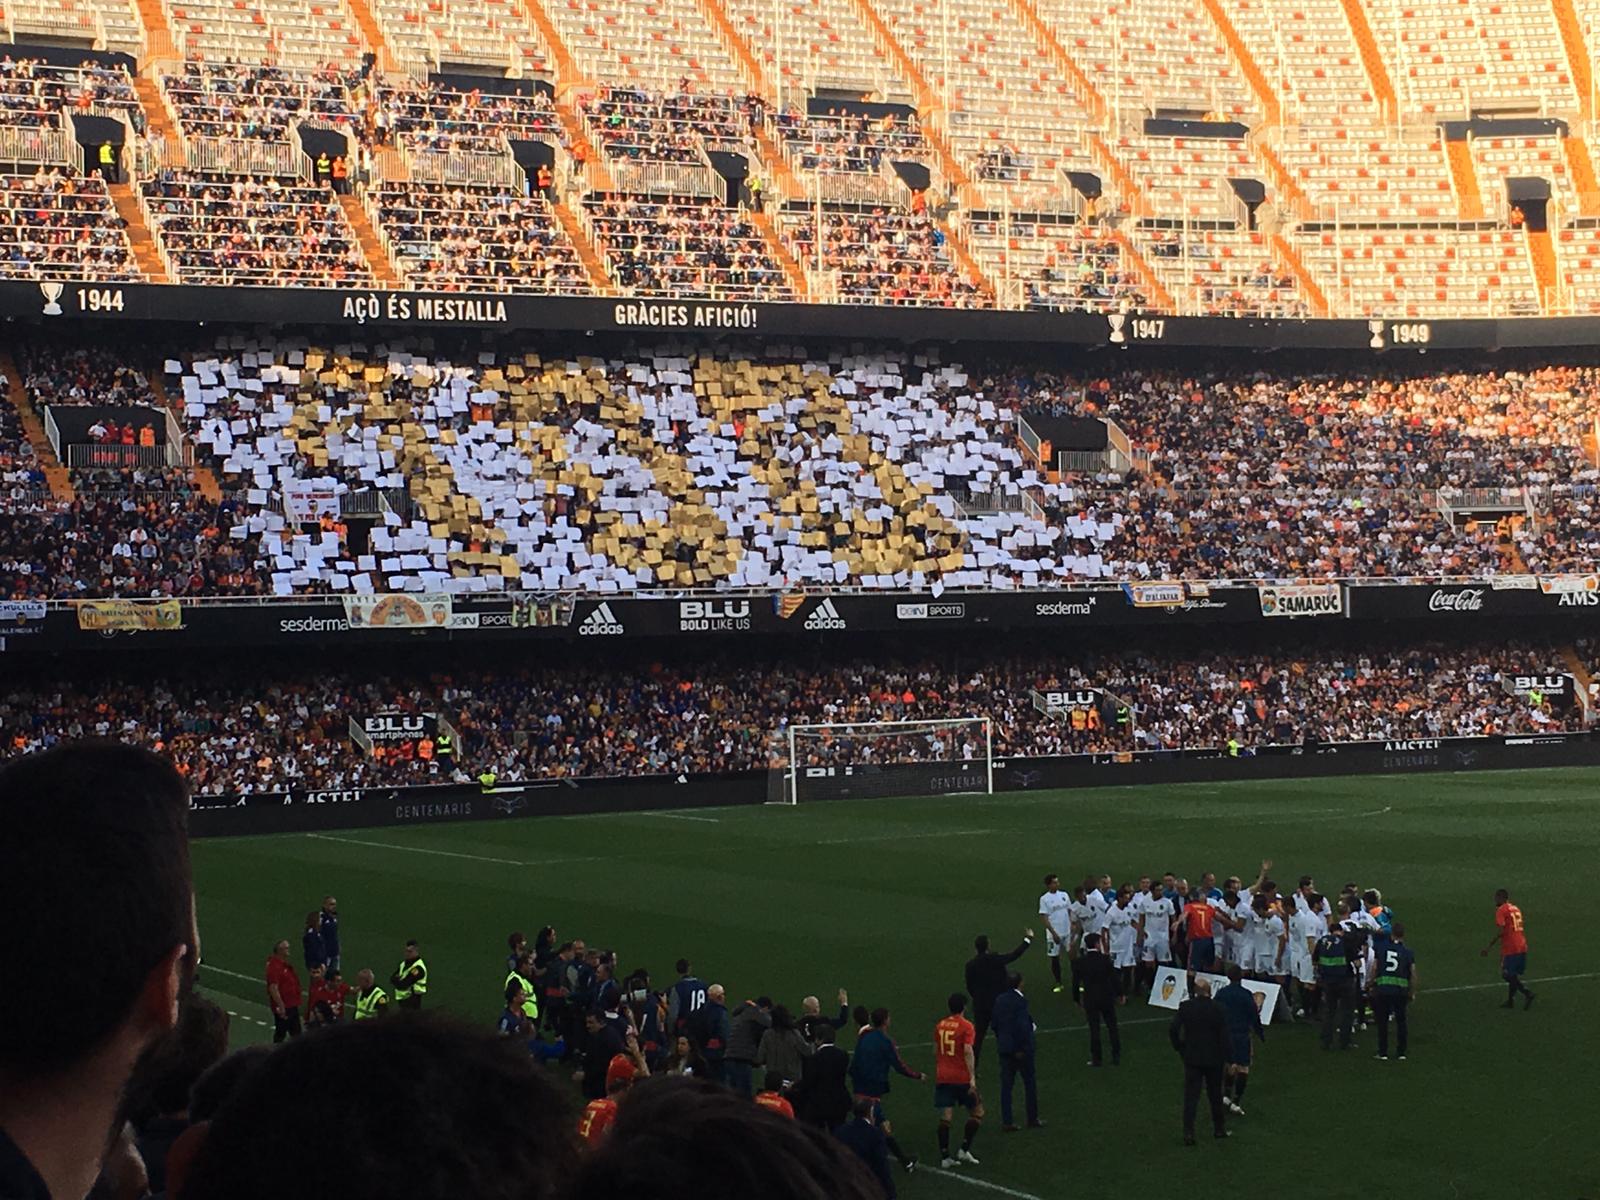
x: 1513, y: 948
x: 771, y: 1096
x: 598, y: 1115
x: 955, y: 1080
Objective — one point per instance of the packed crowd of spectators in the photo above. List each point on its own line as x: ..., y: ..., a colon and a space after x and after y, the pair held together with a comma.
x: 849, y: 143
x: 35, y: 94
x: 668, y: 128
x: 455, y: 238
x: 232, y: 101
x: 21, y: 476
x: 265, y: 730
x: 57, y: 224
x: 433, y: 115
x: 882, y: 257
x: 125, y: 541
x: 219, y: 229
x: 688, y: 247
x: 876, y: 470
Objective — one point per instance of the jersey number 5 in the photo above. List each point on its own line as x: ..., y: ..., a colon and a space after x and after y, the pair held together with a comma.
x: 1391, y: 962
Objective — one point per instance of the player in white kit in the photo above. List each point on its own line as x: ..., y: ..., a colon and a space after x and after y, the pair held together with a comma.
x: 1156, y: 919
x: 1122, y: 933
x: 1055, y: 910
x: 1306, y: 928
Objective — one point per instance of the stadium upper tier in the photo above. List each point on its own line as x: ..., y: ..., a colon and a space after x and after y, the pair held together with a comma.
x: 672, y: 469
x: 1322, y: 157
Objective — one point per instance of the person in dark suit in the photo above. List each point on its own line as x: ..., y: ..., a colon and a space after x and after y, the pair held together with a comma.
x: 1199, y: 1032
x: 1013, y: 1035
x: 1101, y: 987
x: 867, y: 1142
x: 986, y: 979
x: 822, y: 1096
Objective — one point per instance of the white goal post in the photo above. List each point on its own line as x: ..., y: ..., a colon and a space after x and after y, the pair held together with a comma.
x: 950, y: 756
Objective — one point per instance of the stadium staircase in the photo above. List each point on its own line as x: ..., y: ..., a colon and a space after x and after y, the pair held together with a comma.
x: 964, y: 260
x: 1371, y: 59
x: 780, y: 254
x: 1546, y: 270
x: 1578, y: 61
x: 158, y: 41
x: 139, y: 236
x: 55, y: 475
x: 1247, y: 62
x: 737, y: 46
x: 1123, y: 184
x: 158, y: 118
x: 1464, y: 180
x: 1283, y: 182
x: 934, y: 118
x: 1580, y: 672
x: 1584, y: 180
x: 205, y: 479
x: 371, y: 246
x: 567, y: 73
x: 373, y: 33
x: 587, y: 254
x: 1309, y: 287
x: 1153, y: 287
x: 1088, y: 95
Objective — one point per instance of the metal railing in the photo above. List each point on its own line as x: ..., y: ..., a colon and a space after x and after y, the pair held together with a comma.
x: 54, y: 147
x: 245, y: 157
x: 476, y: 168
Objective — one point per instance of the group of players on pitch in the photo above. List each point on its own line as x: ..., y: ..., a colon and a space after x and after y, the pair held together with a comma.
x: 1342, y: 960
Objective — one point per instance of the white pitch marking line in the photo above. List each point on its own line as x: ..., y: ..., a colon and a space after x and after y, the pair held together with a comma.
x: 971, y: 1181
x: 902, y: 837
x: 205, y: 966
x: 507, y: 862
x: 678, y: 816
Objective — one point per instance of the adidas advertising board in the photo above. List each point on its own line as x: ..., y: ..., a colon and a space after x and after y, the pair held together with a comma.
x: 825, y: 616
x: 602, y: 622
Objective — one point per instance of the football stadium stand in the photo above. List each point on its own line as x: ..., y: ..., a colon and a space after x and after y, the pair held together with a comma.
x: 1342, y: 157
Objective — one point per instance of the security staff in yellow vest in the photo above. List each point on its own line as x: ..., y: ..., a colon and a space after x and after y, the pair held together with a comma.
x: 486, y: 780
x: 410, y: 980
x: 108, y: 162
x: 523, y: 976
x: 444, y: 748
x: 371, y: 1000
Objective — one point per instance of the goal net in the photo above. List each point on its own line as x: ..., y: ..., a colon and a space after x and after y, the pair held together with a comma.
x: 881, y: 758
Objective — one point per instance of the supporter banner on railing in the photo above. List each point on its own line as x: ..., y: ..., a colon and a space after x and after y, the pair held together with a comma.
x: 306, y: 621
x: 422, y: 610
x: 115, y: 616
x: 341, y: 308
x: 306, y: 501
x: 1303, y: 600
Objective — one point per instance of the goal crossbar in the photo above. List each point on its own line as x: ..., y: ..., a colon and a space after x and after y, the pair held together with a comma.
x: 849, y: 775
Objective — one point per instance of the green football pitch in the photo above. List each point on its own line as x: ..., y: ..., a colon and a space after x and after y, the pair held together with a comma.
x: 884, y: 897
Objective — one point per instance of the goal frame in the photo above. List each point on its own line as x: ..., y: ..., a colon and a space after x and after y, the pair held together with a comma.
x: 791, y: 774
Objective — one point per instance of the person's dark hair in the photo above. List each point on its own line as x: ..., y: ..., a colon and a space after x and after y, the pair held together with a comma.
x: 1235, y: 973
x: 1014, y: 979
x: 513, y: 992
x: 958, y: 1002
x: 1501, y: 896
x: 773, y: 1081
x: 462, y: 1114
x: 981, y: 943
x: 515, y: 940
x: 219, y: 1081
x: 1315, y: 899
x: 825, y: 1034
x: 1091, y: 941
x: 564, y: 948
x: 860, y: 1015
x: 862, y: 1108
x: 681, y: 1136
x: 683, y: 964
x: 879, y: 1018
x: 412, y: 943
x: 1398, y: 931
x: 782, y: 1019
x: 95, y: 851
x: 1305, y: 881
x: 167, y: 1070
